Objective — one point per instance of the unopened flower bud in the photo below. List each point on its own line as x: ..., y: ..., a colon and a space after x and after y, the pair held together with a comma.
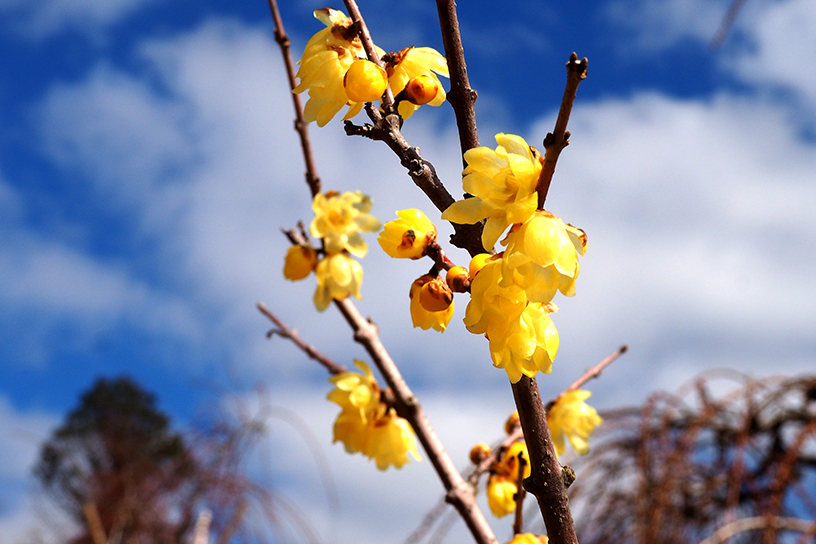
x: 421, y: 89
x: 365, y: 81
x: 457, y: 279
x: 435, y: 295
x: 479, y: 453
x: 477, y: 263
x: 299, y: 262
x: 512, y: 423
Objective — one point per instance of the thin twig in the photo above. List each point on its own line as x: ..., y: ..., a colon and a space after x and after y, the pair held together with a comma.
x: 759, y: 522
x: 558, y: 139
x: 285, y: 332
x: 459, y: 493
x: 301, y: 126
x: 518, y: 521
x: 461, y: 96
x: 726, y: 24
x: 596, y: 370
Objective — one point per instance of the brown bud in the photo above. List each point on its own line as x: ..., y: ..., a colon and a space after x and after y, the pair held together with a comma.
x: 479, y: 453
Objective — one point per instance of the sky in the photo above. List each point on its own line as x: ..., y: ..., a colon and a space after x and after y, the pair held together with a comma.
x: 148, y: 163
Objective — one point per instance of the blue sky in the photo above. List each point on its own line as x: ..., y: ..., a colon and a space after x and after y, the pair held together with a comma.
x: 147, y: 163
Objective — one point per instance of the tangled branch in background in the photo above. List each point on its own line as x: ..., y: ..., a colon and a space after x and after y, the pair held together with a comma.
x: 695, y: 467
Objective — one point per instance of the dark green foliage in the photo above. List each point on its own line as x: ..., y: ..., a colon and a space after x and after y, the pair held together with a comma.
x: 117, y: 452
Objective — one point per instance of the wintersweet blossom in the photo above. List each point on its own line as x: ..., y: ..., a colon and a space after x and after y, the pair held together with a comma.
x: 326, y: 59
x: 421, y: 64
x: 390, y: 441
x: 529, y: 538
x: 407, y: 237
x: 431, y: 303
x: 542, y: 256
x: 502, y: 485
x: 523, y: 339
x: 367, y: 425
x: 574, y: 419
x: 503, y: 184
x: 299, y: 262
x: 338, y: 276
x: 339, y: 217
x: 501, y: 495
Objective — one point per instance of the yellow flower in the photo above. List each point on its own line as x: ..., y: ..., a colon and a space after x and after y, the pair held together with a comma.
x: 356, y: 392
x: 365, y: 81
x: 529, y: 538
x: 339, y: 217
x: 390, y: 440
x: 509, y: 464
x: 407, y: 237
x: 503, y: 183
x: 502, y: 485
x: 326, y: 59
x: 367, y: 425
x: 501, y: 491
x: 299, y: 262
x: 338, y: 276
x: 542, y: 256
x: 523, y: 339
x: 431, y: 303
x: 573, y: 418
x: 416, y: 62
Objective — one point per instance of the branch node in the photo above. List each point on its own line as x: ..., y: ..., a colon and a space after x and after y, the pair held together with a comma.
x: 568, y: 474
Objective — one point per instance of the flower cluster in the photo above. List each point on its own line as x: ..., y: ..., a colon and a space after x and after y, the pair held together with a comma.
x: 335, y: 71
x: 411, y: 236
x: 574, y: 419
x: 338, y: 220
x: 512, y: 292
x: 365, y: 424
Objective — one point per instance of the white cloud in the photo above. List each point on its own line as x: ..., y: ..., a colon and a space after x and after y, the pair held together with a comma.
x: 782, y: 49
x: 45, y: 18
x: 21, y: 507
x: 655, y: 26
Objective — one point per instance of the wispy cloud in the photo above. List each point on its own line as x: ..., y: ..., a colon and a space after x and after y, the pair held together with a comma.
x: 46, y: 18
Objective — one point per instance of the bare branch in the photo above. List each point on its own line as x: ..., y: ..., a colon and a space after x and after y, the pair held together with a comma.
x: 596, y: 370
x: 459, y: 493
x: 760, y: 522
x: 546, y: 481
x: 301, y: 126
x: 285, y: 332
x: 461, y: 96
x: 558, y: 139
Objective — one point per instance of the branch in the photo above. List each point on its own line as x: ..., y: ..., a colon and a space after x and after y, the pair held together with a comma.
x: 461, y: 96
x: 459, y: 493
x: 301, y: 126
x: 760, y: 522
x: 596, y: 370
x: 291, y: 334
x: 558, y: 139
x: 546, y: 479
x: 91, y: 513
x: 518, y: 521
x: 387, y: 129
